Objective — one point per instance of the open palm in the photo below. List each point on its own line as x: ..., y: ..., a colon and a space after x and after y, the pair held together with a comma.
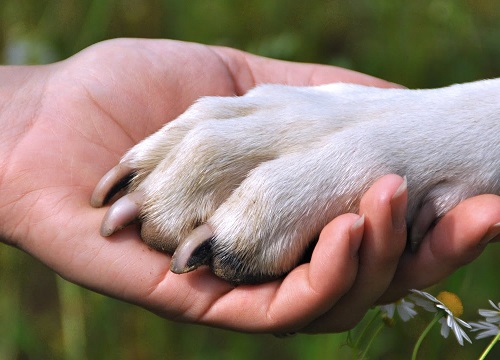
x: 77, y: 118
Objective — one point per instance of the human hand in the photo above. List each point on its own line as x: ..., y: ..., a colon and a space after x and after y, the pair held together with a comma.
x: 64, y: 125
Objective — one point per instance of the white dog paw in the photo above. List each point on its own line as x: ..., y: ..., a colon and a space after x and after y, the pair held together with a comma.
x: 245, y: 184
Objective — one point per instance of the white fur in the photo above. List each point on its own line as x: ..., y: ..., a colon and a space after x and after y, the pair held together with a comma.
x: 269, y: 169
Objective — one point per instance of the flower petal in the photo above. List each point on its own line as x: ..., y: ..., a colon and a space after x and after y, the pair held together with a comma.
x: 497, y: 307
x: 388, y: 310
x: 445, y: 329
x: 486, y: 329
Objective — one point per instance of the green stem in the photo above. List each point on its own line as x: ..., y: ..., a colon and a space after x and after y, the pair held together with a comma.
x: 490, y: 346
x: 363, y: 332
x: 375, y: 333
x: 424, y: 334
x: 368, y: 325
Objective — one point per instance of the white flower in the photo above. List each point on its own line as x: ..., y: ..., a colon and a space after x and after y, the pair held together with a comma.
x: 490, y: 327
x: 450, y: 306
x: 491, y: 316
x: 404, y: 308
x: 487, y: 329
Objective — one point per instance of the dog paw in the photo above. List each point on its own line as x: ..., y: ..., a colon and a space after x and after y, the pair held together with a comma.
x: 245, y: 184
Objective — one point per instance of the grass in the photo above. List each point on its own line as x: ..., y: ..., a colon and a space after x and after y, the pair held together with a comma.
x: 46, y: 317
x: 419, y: 44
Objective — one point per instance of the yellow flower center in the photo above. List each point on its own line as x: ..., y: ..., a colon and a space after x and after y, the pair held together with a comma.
x: 452, y: 302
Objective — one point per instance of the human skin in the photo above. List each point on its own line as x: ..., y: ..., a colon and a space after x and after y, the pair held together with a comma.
x: 62, y: 126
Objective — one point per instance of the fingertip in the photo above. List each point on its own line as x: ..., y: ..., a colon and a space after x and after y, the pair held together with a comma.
x: 461, y: 235
x: 324, y: 280
x: 384, y: 205
x: 399, y: 202
x: 492, y: 235
x: 347, y: 228
x: 457, y: 239
x: 356, y: 235
x: 325, y: 74
x: 384, y: 190
x: 335, y: 256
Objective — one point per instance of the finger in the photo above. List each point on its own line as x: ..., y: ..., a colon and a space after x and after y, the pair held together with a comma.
x: 249, y: 70
x: 457, y: 239
x: 307, y: 292
x: 310, y: 74
x: 384, y: 206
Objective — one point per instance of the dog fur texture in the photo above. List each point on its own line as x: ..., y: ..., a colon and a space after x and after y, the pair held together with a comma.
x: 259, y: 176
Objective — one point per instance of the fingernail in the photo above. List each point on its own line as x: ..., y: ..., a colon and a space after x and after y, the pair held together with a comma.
x: 357, y: 230
x: 398, y: 206
x: 398, y: 86
x: 491, y: 234
x: 358, y: 224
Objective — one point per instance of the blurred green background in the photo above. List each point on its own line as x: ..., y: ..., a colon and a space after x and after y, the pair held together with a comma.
x: 424, y: 43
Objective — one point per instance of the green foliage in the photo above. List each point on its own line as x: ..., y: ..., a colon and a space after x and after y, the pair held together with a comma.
x: 417, y: 43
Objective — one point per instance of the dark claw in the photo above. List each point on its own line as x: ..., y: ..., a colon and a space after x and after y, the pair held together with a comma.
x: 113, y: 181
x: 122, y: 213
x: 194, y: 251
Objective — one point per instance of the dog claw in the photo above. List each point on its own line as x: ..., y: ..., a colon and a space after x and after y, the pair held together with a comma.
x: 112, y: 182
x: 421, y: 225
x: 194, y: 251
x: 123, y: 212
